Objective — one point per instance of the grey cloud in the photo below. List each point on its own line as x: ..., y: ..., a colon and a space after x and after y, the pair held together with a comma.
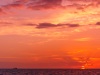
x: 46, y: 25
x: 50, y: 25
x: 98, y: 23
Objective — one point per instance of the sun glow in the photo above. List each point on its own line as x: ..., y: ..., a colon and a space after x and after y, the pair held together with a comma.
x: 83, y: 67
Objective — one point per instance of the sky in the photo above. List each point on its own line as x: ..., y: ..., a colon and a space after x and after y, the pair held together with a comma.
x: 50, y: 34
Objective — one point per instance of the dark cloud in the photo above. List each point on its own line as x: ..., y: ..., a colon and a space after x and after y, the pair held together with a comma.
x: 73, y: 25
x: 46, y: 25
x: 69, y: 25
x: 49, y: 25
x: 45, y: 4
x: 49, y: 4
x: 98, y: 23
x: 85, y: 0
x: 35, y: 4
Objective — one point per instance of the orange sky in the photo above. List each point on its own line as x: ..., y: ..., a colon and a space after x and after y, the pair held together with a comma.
x: 49, y: 33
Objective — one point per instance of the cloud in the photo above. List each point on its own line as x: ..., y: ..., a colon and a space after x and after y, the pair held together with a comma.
x: 49, y: 4
x: 73, y: 25
x: 3, y: 24
x: 83, y: 39
x: 1, y: 11
x: 46, y: 25
x: 66, y: 60
x: 14, y: 5
x: 29, y: 24
x: 50, y: 25
x: 82, y: 4
x: 45, y: 4
x: 35, y: 4
x: 6, y: 23
x: 85, y: 1
x: 98, y: 23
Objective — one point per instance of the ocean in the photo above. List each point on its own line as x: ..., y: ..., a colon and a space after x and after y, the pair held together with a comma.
x: 49, y: 72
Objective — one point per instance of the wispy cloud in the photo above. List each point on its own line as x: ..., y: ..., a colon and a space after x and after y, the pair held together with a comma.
x: 6, y: 23
x: 45, y: 4
x: 83, y: 39
x: 35, y: 4
x: 1, y: 11
x: 29, y: 24
x: 73, y: 25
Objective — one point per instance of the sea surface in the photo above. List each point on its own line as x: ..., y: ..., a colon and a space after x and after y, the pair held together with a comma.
x: 49, y: 72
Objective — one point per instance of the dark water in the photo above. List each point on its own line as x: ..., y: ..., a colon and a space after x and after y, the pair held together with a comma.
x: 49, y: 72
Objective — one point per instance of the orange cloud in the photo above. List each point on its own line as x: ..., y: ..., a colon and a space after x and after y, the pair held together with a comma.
x: 83, y: 39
